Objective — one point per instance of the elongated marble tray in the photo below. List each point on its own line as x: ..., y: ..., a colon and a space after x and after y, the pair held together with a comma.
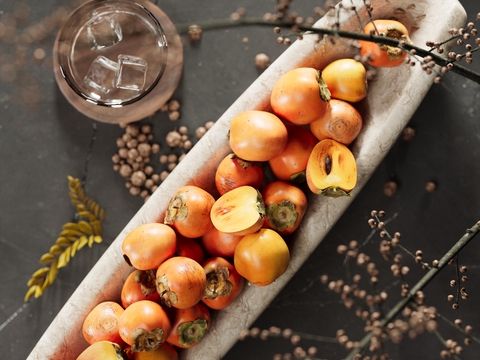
x: 393, y: 97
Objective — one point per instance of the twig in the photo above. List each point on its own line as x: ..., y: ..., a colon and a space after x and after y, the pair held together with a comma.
x: 439, y: 60
x: 464, y: 240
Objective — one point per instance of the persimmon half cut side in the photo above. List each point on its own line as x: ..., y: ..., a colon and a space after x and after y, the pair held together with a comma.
x: 331, y: 169
x: 240, y: 211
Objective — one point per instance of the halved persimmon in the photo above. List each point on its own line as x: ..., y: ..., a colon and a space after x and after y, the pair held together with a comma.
x: 346, y: 79
x: 188, y: 211
x: 240, y: 211
x: 341, y: 122
x: 382, y: 55
x: 257, y: 135
x: 290, y: 165
x: 331, y: 169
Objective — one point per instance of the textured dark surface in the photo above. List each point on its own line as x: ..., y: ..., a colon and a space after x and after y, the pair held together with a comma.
x: 41, y: 143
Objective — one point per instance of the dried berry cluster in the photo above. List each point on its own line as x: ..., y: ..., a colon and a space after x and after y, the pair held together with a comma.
x: 136, y: 148
x: 295, y: 338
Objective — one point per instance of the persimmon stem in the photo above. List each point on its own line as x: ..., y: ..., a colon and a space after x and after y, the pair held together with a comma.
x: 439, y: 60
x: 449, y: 255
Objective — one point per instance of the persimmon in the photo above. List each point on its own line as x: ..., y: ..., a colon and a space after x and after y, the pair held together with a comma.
x: 181, y: 282
x: 341, y: 122
x: 233, y: 172
x: 218, y: 243
x: 346, y: 79
x: 101, y: 323
x: 144, y: 325
x: 239, y: 212
x: 189, y: 326
x: 148, y: 245
x: 331, y: 169
x: 190, y: 248
x: 164, y: 352
x: 105, y: 350
x: 224, y: 283
x: 257, y: 135
x: 188, y: 211
x: 262, y: 257
x: 300, y: 95
x: 291, y: 163
x: 383, y: 55
x: 285, y: 206
x: 139, y: 285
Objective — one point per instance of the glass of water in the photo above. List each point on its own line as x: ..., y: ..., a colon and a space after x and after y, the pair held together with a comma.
x: 109, y: 57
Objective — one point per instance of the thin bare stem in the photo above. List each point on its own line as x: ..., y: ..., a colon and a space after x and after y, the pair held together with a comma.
x: 459, y: 245
x: 439, y: 60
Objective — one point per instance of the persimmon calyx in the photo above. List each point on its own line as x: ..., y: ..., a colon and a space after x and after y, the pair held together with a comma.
x: 245, y: 164
x: 167, y: 296
x: 146, y: 279
x: 192, y: 332
x: 324, y: 91
x: 147, y: 340
x: 282, y: 215
x: 298, y: 177
x: 217, y: 283
x: 176, y: 208
x: 333, y: 191
x: 394, y: 52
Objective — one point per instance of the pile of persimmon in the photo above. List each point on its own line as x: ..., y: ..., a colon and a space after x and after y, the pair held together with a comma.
x: 199, y: 256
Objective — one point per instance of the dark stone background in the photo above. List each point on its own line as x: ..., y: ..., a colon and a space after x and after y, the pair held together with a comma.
x: 43, y: 139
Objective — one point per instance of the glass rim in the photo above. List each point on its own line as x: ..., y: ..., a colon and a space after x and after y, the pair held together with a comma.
x: 115, y: 103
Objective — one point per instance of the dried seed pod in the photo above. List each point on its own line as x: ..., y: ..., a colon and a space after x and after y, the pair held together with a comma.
x: 200, y: 131
x: 138, y: 178
x: 173, y: 138
x: 262, y: 61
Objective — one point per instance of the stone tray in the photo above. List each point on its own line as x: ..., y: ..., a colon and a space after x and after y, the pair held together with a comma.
x: 393, y: 97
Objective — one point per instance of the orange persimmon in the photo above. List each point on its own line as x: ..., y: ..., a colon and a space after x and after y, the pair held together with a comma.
x: 233, y: 172
x: 189, y: 326
x: 224, y: 283
x: 285, y: 206
x: 188, y: 211
x: 341, y: 122
x: 139, y: 285
x: 291, y: 163
x: 148, y: 245
x: 239, y: 212
x: 104, y: 350
x: 164, y: 352
x: 300, y: 96
x: 331, y: 169
x: 181, y: 282
x: 101, y: 323
x: 262, y: 257
x: 217, y: 243
x: 346, y: 79
x: 382, y: 55
x: 257, y: 135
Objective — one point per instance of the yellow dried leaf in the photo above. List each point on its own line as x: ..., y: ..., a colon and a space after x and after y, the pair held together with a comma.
x: 38, y: 292
x: 63, y: 241
x: 90, y: 240
x: 75, y: 247
x: 70, y: 233
x: 70, y: 226
x: 62, y: 260
x: 52, y: 273
x: 35, y: 281
x: 46, y: 258
x: 55, y: 249
x: 82, y: 242
x: 97, y: 239
x: 30, y: 293
x: 40, y: 271
x: 85, y: 227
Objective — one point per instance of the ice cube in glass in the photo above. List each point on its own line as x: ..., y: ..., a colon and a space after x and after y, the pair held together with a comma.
x: 132, y: 72
x: 103, y: 31
x: 102, y: 74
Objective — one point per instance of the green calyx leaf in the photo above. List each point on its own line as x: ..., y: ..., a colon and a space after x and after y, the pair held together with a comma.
x: 192, y: 332
x: 282, y: 215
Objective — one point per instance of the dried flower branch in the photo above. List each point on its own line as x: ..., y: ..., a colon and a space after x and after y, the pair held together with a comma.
x: 86, y: 230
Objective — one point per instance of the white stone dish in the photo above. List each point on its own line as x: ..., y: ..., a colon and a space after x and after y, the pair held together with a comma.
x: 393, y: 97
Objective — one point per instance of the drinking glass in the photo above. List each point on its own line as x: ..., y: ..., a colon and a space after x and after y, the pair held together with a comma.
x: 111, y: 57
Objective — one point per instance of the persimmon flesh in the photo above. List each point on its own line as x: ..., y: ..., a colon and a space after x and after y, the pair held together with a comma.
x: 240, y: 211
x: 331, y: 169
